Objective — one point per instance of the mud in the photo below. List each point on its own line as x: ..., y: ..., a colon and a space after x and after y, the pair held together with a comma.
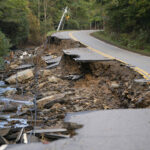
x: 70, y: 87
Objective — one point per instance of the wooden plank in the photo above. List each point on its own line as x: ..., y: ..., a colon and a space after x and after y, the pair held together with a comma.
x: 47, y: 131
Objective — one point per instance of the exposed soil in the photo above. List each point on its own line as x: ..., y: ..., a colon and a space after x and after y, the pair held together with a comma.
x: 74, y: 87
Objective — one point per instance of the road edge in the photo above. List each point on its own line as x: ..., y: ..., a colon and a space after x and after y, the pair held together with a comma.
x: 145, y: 74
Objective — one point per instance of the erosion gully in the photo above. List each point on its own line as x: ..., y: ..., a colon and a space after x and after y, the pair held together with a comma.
x: 61, y: 85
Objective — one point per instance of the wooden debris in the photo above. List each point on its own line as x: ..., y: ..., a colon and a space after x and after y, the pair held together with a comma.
x: 3, y: 140
x: 47, y: 131
x: 55, y: 136
x: 4, y: 131
x: 19, y: 135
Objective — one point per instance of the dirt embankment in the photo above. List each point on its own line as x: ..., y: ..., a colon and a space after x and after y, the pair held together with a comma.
x: 69, y: 87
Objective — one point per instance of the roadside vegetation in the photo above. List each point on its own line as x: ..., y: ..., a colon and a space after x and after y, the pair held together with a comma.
x: 28, y: 22
x: 23, y: 22
x: 126, y: 24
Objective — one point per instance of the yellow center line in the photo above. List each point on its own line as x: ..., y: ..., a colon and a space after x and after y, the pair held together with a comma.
x: 145, y: 74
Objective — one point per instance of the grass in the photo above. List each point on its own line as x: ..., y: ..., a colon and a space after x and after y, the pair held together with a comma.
x: 101, y: 35
x: 51, y: 32
x: 54, y: 31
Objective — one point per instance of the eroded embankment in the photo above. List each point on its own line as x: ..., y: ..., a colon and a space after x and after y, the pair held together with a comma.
x: 69, y: 86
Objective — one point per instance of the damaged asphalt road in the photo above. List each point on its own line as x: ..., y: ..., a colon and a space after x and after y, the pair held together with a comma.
x: 63, y: 81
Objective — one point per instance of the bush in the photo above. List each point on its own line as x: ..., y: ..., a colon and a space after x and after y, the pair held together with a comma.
x: 34, y: 30
x: 4, y: 44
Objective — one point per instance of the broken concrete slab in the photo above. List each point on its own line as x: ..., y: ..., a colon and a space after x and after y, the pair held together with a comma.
x: 52, y: 63
x: 47, y: 57
x: 111, y: 129
x: 55, y: 60
x: 24, y: 66
x: 52, y: 66
x: 84, y: 55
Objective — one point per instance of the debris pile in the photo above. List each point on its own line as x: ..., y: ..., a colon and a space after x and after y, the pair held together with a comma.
x: 59, y: 85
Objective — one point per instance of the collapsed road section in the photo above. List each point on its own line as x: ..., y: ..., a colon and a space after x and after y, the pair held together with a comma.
x: 62, y: 77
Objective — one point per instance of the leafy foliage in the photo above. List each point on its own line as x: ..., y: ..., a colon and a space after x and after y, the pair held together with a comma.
x: 4, y: 44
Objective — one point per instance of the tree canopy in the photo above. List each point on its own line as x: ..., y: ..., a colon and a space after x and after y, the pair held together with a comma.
x: 28, y: 20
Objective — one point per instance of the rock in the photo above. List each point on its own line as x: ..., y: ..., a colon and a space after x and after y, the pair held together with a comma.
x: 53, y: 79
x: 45, y: 72
x: 20, y: 76
x: 78, y: 108
x: 10, y: 92
x: 13, y: 66
x: 41, y: 85
x: 144, y: 101
x: 56, y: 106
x: 50, y: 100
x: 114, y: 85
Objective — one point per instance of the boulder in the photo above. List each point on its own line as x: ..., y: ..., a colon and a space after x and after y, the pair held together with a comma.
x: 114, y: 85
x: 45, y: 72
x: 56, y: 106
x: 13, y: 66
x: 50, y: 100
x: 10, y: 92
x: 20, y: 76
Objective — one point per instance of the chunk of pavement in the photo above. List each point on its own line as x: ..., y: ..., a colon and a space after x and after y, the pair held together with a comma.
x: 45, y: 72
x: 20, y: 76
x: 52, y: 65
x: 53, y: 61
x: 25, y: 66
x: 114, y: 85
x: 50, y: 100
x: 48, y: 131
x: 47, y: 57
x: 53, y: 79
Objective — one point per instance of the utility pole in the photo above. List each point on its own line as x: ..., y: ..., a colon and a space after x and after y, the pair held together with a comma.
x: 60, y: 23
